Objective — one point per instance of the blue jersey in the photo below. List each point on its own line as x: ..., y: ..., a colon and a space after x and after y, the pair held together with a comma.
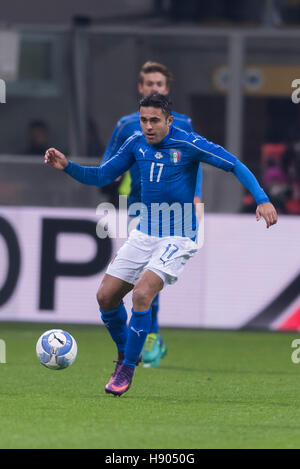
x: 168, y: 178
x: 126, y: 127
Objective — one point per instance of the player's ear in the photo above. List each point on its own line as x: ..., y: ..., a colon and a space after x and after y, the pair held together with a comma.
x: 170, y: 120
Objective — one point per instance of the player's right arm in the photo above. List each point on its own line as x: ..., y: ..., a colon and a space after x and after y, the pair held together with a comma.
x: 99, y: 175
x: 187, y: 125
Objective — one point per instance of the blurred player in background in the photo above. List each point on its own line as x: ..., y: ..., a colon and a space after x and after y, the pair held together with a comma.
x: 153, y: 77
x: 155, y: 253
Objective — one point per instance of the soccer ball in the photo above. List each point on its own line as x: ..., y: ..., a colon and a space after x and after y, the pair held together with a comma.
x: 56, y: 349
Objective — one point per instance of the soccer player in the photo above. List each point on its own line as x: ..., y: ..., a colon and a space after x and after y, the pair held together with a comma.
x: 155, y: 253
x: 152, y: 77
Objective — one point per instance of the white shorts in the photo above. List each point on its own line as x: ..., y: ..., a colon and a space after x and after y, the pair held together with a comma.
x: 164, y: 256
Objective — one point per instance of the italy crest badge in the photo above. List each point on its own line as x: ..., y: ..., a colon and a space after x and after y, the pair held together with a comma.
x: 175, y: 156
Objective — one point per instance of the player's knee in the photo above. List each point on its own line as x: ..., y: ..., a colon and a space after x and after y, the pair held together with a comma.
x: 141, y: 298
x: 104, y: 300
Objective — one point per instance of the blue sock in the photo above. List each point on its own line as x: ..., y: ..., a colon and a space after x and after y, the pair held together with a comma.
x: 139, y: 327
x: 116, y: 324
x: 155, y: 307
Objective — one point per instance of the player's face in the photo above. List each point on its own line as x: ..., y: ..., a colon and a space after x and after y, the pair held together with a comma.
x: 155, y: 81
x: 155, y: 125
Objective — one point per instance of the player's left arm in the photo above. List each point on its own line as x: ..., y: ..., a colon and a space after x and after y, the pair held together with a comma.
x: 198, y: 189
x: 198, y: 193
x: 216, y: 155
x: 264, y: 207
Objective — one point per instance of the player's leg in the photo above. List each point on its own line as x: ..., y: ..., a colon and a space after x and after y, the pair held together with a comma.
x: 145, y: 290
x: 143, y: 294
x: 169, y: 255
x: 126, y: 269
x: 113, y: 313
x: 154, y: 347
x: 121, y: 275
x: 112, y: 291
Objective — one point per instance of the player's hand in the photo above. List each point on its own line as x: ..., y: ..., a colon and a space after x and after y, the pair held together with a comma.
x: 268, y: 212
x: 56, y: 159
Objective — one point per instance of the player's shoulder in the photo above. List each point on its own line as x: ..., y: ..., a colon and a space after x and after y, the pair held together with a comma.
x: 202, y: 143
x: 190, y: 140
x: 179, y: 134
x: 182, y: 121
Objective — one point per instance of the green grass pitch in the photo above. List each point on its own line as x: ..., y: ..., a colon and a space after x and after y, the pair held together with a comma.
x: 214, y: 389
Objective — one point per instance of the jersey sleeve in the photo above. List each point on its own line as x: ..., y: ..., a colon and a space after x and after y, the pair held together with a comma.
x: 217, y: 156
x: 247, y: 178
x: 207, y: 152
x: 198, y: 189
x: 107, y: 172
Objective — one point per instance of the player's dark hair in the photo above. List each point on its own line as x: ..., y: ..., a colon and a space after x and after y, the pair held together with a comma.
x: 159, y: 101
x: 153, y: 67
